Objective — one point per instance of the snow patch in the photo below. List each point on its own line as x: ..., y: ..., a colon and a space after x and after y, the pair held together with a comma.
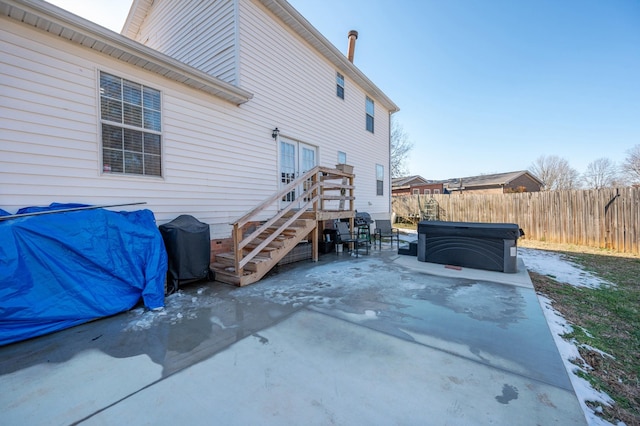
x: 569, y: 352
x: 558, y: 267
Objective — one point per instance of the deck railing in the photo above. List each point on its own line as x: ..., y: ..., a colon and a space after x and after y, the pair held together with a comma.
x: 319, y: 186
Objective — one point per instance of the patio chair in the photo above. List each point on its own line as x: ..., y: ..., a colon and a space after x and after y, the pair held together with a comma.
x: 353, y: 239
x: 385, y: 230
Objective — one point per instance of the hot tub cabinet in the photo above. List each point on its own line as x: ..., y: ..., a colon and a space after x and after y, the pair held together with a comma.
x: 488, y: 246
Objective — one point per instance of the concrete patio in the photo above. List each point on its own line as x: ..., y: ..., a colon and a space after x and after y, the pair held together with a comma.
x: 382, y: 339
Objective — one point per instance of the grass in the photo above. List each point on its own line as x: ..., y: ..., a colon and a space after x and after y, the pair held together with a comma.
x: 605, y: 319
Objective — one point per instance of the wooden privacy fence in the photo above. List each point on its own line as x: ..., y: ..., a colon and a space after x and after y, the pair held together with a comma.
x: 605, y: 218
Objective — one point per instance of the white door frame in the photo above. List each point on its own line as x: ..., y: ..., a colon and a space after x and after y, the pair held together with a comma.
x: 294, y: 159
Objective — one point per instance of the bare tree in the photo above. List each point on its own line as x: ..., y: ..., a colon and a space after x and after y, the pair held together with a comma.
x: 631, y: 164
x: 601, y: 173
x: 555, y: 173
x: 401, y: 146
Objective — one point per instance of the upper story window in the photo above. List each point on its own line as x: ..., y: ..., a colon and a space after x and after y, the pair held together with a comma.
x: 342, y: 157
x: 131, y: 120
x: 379, y: 179
x: 340, y: 85
x: 370, y: 107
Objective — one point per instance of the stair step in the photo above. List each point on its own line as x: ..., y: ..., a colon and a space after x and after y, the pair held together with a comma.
x: 268, y: 257
x: 276, y: 243
x: 227, y: 262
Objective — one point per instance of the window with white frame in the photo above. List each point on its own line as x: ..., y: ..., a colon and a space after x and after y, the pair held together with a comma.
x: 342, y: 157
x: 131, y: 121
x: 339, y: 85
x: 427, y: 192
x: 416, y: 192
x: 379, y: 179
x: 436, y: 191
x: 370, y: 109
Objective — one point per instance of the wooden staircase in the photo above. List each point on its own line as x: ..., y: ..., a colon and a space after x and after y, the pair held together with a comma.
x: 257, y: 251
x: 267, y: 258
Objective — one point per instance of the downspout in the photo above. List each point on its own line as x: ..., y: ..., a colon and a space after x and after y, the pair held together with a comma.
x: 389, y: 170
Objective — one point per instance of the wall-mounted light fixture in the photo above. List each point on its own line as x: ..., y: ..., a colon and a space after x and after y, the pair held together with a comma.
x: 275, y: 133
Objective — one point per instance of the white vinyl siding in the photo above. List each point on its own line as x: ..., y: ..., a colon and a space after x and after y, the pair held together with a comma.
x: 219, y: 159
x: 201, y: 34
x: 50, y: 148
x: 331, y: 126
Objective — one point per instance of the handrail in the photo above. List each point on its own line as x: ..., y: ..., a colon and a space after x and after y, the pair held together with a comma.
x: 312, y: 195
x: 285, y: 190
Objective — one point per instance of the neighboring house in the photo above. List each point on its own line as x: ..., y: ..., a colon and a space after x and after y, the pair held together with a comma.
x: 412, y: 185
x: 500, y: 183
x: 180, y: 110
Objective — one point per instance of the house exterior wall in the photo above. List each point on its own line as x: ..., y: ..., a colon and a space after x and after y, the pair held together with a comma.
x: 295, y: 90
x: 219, y: 160
x: 525, y: 181
x: 50, y: 147
x: 300, y: 100
x: 202, y: 35
x: 480, y: 190
x: 420, y: 187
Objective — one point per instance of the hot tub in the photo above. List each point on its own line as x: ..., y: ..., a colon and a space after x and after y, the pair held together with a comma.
x: 488, y: 246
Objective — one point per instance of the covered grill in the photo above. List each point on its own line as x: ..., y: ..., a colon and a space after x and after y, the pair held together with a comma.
x: 362, y: 219
x: 187, y: 242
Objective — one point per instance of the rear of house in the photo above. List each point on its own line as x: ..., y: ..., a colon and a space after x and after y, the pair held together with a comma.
x: 181, y: 113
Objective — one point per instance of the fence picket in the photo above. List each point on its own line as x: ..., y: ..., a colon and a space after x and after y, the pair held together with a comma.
x: 604, y: 218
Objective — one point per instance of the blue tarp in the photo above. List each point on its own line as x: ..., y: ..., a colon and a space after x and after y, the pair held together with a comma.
x: 58, y: 270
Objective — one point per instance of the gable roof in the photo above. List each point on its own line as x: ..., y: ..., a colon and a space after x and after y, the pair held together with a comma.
x: 407, y: 180
x: 299, y: 25
x: 61, y: 23
x: 496, y: 179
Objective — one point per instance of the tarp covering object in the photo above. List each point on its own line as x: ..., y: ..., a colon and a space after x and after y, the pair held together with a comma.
x: 62, y: 269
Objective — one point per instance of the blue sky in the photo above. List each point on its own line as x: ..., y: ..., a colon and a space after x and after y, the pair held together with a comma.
x: 486, y: 86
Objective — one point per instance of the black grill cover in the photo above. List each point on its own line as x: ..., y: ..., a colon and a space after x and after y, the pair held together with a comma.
x: 362, y: 218
x: 188, y: 245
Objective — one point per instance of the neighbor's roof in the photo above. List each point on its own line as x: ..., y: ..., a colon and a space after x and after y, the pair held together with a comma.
x: 296, y: 22
x: 487, y: 180
x: 66, y: 25
x: 407, y: 180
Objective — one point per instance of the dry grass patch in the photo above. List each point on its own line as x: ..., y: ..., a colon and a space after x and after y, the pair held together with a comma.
x: 606, y: 319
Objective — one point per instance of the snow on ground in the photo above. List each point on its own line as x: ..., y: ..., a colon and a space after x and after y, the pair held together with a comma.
x: 558, y: 267
x: 563, y: 270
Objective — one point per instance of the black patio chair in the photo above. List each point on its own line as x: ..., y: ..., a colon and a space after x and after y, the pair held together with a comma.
x: 385, y: 230
x: 353, y: 239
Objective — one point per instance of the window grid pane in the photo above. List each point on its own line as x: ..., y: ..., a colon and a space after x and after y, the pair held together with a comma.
x: 340, y: 85
x: 379, y: 179
x: 128, y: 148
x: 370, y: 107
x: 370, y: 112
x: 342, y: 157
